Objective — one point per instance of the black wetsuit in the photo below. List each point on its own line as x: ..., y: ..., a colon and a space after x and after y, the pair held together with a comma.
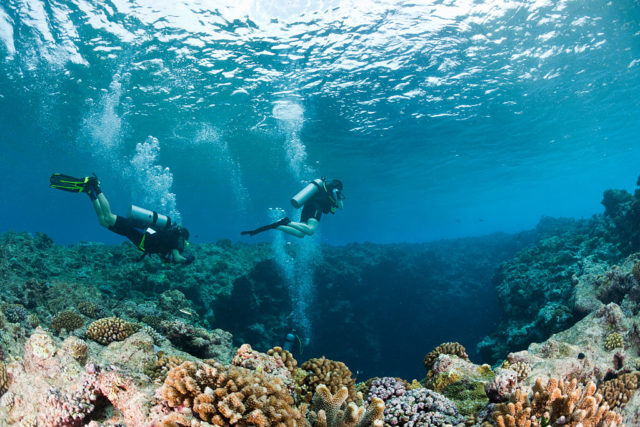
x: 162, y: 242
x: 320, y: 203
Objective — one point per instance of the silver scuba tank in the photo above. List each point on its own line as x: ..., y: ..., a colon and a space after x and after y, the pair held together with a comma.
x: 143, y: 218
x: 306, y: 193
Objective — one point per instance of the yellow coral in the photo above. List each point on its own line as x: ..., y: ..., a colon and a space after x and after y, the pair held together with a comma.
x: 440, y: 382
x: 109, y: 329
x: 613, y: 340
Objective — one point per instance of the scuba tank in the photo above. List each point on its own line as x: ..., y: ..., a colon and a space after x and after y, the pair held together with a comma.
x: 144, y: 218
x: 307, y: 192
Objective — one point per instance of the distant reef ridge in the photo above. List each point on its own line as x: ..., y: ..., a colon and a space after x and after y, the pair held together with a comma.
x: 385, y: 297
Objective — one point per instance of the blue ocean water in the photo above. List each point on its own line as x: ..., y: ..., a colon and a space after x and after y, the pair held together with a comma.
x: 442, y: 118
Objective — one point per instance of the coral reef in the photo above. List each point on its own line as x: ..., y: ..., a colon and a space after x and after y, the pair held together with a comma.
x: 613, y: 340
x: 4, y: 379
x: 617, y: 392
x: 421, y: 407
x: 444, y: 348
x: 67, y: 320
x: 229, y: 395
x: 332, y: 374
x: 287, y: 358
x: 331, y: 410
x: 109, y: 329
x: 557, y: 403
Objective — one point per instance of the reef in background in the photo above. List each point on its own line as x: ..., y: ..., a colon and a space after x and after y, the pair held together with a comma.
x: 366, y: 289
x: 570, y: 269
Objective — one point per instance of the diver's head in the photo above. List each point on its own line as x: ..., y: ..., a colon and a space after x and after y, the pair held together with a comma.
x: 335, y: 184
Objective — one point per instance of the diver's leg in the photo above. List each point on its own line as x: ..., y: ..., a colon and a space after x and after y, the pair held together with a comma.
x: 290, y: 230
x: 308, y: 229
x: 103, y: 210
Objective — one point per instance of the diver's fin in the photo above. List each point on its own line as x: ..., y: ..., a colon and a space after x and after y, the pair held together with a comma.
x: 64, y: 182
x: 283, y: 221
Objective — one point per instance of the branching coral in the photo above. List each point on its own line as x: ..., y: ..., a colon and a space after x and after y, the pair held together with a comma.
x: 229, y: 395
x: 559, y: 402
x: 108, y: 330
x: 444, y: 348
x: 618, y: 391
x: 331, y: 410
x: 67, y: 320
x: 333, y: 374
x: 15, y: 313
x: 523, y: 369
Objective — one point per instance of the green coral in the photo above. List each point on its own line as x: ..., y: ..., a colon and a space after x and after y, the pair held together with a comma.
x: 613, y: 340
x: 442, y: 381
x: 469, y: 396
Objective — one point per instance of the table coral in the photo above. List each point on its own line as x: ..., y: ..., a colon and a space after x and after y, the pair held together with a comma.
x: 229, y: 395
x: 331, y: 410
x: 67, y: 320
x: 453, y: 348
x: 108, y: 330
x: 333, y: 374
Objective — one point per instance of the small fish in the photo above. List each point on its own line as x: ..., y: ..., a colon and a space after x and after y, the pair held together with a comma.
x: 187, y: 312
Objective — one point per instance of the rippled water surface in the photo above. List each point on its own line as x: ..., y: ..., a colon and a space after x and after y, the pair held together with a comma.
x: 443, y: 118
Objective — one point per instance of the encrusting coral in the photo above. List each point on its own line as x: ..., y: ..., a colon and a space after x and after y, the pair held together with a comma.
x: 558, y: 403
x: 444, y: 348
x: 108, y: 330
x: 331, y: 410
x: 67, y: 320
x: 332, y: 374
x: 224, y: 395
x: 613, y: 340
x: 618, y: 391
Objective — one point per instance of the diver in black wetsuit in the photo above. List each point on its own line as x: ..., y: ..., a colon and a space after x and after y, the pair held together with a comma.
x: 160, y: 237
x: 317, y: 197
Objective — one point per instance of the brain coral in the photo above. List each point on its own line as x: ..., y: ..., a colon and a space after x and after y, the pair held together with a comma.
x: 228, y: 395
x: 108, y: 330
x: 333, y: 374
x: 445, y: 348
x: 67, y: 320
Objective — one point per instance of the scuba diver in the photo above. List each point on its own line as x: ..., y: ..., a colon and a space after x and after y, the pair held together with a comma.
x: 318, y: 197
x: 149, y: 231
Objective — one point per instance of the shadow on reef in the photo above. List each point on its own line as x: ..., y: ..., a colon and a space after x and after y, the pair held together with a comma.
x: 391, y: 301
